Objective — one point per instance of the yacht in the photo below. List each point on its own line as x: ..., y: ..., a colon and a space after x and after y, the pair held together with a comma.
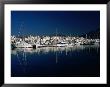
x: 23, y: 44
x: 62, y: 44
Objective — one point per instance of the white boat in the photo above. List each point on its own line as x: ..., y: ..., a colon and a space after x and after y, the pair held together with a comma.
x: 23, y: 44
x: 62, y: 44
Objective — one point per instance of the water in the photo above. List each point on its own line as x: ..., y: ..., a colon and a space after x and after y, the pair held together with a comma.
x: 77, y: 61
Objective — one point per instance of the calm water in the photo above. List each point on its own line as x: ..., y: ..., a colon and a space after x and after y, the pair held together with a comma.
x: 74, y: 61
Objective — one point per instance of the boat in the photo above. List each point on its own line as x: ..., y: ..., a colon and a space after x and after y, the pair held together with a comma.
x: 61, y: 44
x: 22, y: 44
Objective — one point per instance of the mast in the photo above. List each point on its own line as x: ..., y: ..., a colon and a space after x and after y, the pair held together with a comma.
x: 56, y: 37
x: 56, y: 47
x: 86, y: 36
x: 56, y: 32
x: 21, y: 26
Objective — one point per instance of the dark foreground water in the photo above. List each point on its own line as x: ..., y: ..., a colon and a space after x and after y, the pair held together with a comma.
x: 77, y: 61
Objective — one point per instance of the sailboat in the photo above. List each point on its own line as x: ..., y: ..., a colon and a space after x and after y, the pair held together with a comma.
x: 23, y: 44
x: 61, y: 44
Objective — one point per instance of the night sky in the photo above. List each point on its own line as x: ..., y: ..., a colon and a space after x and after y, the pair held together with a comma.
x: 46, y: 22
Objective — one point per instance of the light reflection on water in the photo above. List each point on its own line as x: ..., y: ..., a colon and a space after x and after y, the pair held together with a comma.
x: 22, y: 55
x: 45, y: 50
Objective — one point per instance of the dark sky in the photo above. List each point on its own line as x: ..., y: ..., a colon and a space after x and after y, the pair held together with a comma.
x: 46, y: 22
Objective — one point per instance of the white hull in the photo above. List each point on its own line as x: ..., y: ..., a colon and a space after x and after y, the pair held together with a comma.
x: 23, y: 45
x: 62, y: 45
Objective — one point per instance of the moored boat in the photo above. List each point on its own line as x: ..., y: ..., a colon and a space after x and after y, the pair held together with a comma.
x: 23, y: 44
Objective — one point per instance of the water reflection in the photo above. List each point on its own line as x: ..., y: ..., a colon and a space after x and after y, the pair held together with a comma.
x: 23, y: 55
x: 45, y: 50
x: 22, y: 52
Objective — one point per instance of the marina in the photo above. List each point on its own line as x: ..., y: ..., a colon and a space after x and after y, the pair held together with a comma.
x: 53, y: 41
x: 36, y: 56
